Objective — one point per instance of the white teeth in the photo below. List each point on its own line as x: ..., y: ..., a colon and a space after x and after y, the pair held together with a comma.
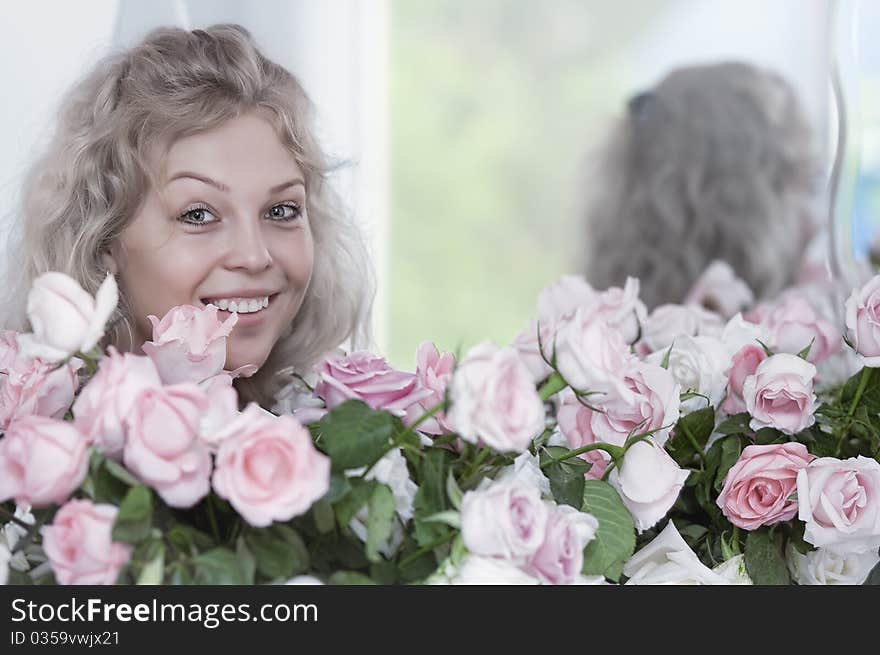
x: 241, y: 305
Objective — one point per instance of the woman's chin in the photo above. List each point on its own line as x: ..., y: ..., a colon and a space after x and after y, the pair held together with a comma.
x: 246, y: 363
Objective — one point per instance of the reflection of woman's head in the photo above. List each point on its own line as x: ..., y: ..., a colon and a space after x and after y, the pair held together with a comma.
x: 715, y: 162
x: 250, y: 216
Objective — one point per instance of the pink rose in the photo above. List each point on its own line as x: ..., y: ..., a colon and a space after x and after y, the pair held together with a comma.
x: 270, y: 470
x: 648, y: 399
x: 560, y: 558
x: 506, y: 519
x: 863, y: 321
x: 528, y: 348
x: 8, y: 349
x: 434, y: 372
x: 42, y: 461
x: 794, y: 324
x: 367, y: 377
x: 744, y: 364
x: 719, y: 289
x: 759, y: 488
x: 80, y: 546
x: 589, y: 353
x: 780, y: 394
x: 222, y: 409
x: 575, y: 423
x: 163, y: 446
x: 839, y: 500
x: 189, y: 344
x: 648, y: 482
x: 31, y: 386
x: 109, y: 397
x: 494, y: 400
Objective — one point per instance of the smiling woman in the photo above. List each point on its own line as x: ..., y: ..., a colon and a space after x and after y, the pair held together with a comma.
x: 187, y: 167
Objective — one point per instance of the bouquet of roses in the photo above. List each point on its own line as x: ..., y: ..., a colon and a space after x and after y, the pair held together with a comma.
x: 556, y: 459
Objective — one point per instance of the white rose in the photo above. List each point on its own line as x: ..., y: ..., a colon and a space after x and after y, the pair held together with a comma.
x: 698, y: 364
x: 64, y: 318
x: 827, y: 566
x: 738, y: 333
x: 391, y: 470
x: 526, y: 469
x: 5, y: 555
x: 304, y: 580
x: 590, y: 354
x: 477, y: 570
x: 648, y: 481
x: 734, y: 571
x: 528, y: 347
x: 668, y: 560
x: 839, y: 500
x: 667, y: 323
x: 494, y: 399
x: 563, y: 297
x: 12, y: 532
x: 719, y: 287
x: 506, y: 519
x: 622, y: 309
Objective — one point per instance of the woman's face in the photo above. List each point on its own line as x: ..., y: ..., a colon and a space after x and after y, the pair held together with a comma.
x: 227, y: 225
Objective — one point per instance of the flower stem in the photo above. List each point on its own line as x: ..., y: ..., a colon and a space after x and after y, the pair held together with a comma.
x: 6, y: 514
x: 554, y: 384
x: 860, y: 390
x: 614, y: 451
x: 427, y: 548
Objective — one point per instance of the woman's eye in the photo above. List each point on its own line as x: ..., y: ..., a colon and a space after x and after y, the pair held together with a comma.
x: 197, y: 216
x: 284, y: 212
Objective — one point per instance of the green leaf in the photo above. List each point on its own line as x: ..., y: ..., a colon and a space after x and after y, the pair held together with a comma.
x: 152, y: 572
x: 351, y: 504
x: 339, y: 486
x: 354, y: 435
x: 218, y: 566
x: 691, y: 434
x: 736, y: 424
x: 453, y: 490
x: 188, y: 540
x: 380, y: 521
x: 430, y: 498
x: 134, y: 520
x: 349, y: 578
x: 615, y: 540
x: 765, y: 562
x: 322, y: 512
x: 766, y: 436
x: 120, y: 473
x: 279, y: 551
x: 731, y: 448
x: 246, y: 560
x: 449, y: 517
x: 566, y: 476
x: 665, y: 362
x: 806, y: 351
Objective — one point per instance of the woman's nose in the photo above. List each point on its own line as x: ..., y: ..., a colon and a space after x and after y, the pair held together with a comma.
x: 248, y: 249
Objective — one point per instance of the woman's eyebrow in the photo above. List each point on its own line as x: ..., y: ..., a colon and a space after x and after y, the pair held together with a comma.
x: 222, y: 187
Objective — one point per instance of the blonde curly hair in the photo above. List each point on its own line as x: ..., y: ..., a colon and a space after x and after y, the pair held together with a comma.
x: 93, y: 177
